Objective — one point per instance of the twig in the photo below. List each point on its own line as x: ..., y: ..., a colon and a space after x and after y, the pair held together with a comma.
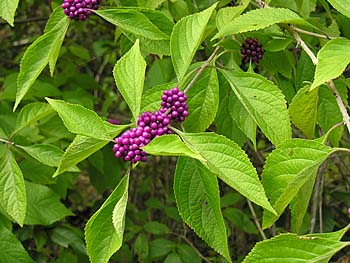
x: 7, y: 142
x: 320, y: 204
x: 201, y: 69
x: 310, y: 33
x: 315, y: 202
x: 304, y: 47
x: 256, y: 221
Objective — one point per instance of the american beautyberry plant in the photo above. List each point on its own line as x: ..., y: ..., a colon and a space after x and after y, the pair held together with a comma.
x: 183, y: 155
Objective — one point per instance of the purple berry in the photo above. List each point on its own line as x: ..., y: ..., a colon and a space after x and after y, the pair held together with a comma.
x: 251, y: 49
x: 174, y: 103
x: 79, y: 9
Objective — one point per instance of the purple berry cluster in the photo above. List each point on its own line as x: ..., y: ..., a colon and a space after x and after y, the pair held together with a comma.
x: 151, y: 125
x: 174, y: 102
x: 79, y: 9
x: 251, y: 49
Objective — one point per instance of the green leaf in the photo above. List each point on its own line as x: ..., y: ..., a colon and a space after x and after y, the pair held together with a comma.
x: 141, y: 246
x: 294, y: 249
x: 304, y: 72
x: 259, y: 19
x: 185, y: 39
x: 230, y: 163
x: 198, y: 200
x: 170, y: 145
x: 31, y: 113
x: 333, y: 58
x: 188, y: 254
x: 12, y: 189
x: 173, y: 258
x: 342, y: 6
x: 303, y: 110
x: 42, y: 51
x: 80, y: 120
x: 151, y: 99
x: 104, y: 230
x: 129, y: 74
x: 240, y: 220
x: 264, y: 102
x: 156, y: 228
x: 203, y: 101
x: 134, y: 22
x: 287, y: 169
x: 160, y: 247
x: 11, y: 249
x: 8, y: 10
x: 227, y: 14
x: 44, y: 206
x: 47, y: 154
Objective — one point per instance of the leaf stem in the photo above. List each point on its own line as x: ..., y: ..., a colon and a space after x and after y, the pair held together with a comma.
x: 201, y: 69
x: 7, y: 142
x: 256, y: 221
x: 297, y: 29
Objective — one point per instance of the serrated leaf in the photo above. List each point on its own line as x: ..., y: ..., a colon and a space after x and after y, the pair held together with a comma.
x: 80, y: 120
x: 292, y: 249
x: 47, y: 154
x: 186, y: 36
x: 133, y: 21
x: 286, y: 171
x: 342, y: 6
x: 12, y: 189
x: 42, y: 51
x: 198, y: 200
x: 44, y: 206
x: 333, y: 58
x: 303, y: 110
x: 170, y: 145
x: 129, y: 74
x: 264, y: 102
x: 259, y: 19
x: 203, y: 101
x: 8, y: 10
x: 11, y: 248
x: 104, y: 230
x: 304, y: 72
x: 230, y: 163
x: 151, y: 99
x: 227, y: 14
x: 31, y: 113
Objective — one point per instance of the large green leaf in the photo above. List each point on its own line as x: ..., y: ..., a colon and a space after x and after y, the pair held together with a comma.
x: 104, y: 230
x: 303, y: 110
x: 259, y: 19
x: 203, y: 101
x: 8, y: 10
x: 264, y: 102
x: 230, y: 163
x: 42, y: 51
x: 31, y: 113
x: 295, y: 249
x: 333, y: 58
x: 44, y: 206
x: 343, y: 6
x: 227, y: 14
x: 198, y: 200
x: 170, y: 145
x: 134, y: 22
x: 129, y: 74
x: 11, y: 249
x: 80, y: 120
x: 151, y: 99
x: 185, y: 39
x: 287, y: 169
x: 12, y: 189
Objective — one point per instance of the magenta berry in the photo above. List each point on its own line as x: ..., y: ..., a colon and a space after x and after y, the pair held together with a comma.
x: 174, y: 103
x: 251, y: 49
x: 79, y: 9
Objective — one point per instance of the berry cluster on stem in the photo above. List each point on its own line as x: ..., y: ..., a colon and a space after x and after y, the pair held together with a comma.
x: 251, y: 49
x: 79, y: 9
x: 151, y: 125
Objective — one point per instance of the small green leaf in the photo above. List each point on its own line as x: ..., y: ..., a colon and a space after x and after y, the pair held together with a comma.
x: 342, y: 6
x: 151, y: 99
x: 259, y: 19
x: 160, y: 248
x: 240, y: 220
x: 292, y: 249
x: 129, y: 74
x: 8, y: 10
x: 156, y: 228
x: 80, y: 120
x: 44, y: 206
x: 141, y: 246
x: 185, y: 39
x: 303, y: 110
x: 264, y: 102
x: 286, y: 171
x: 11, y: 249
x: 203, y: 101
x: 333, y: 58
x: 227, y: 14
x: 104, y: 230
x: 198, y: 200
x: 170, y: 145
x: 173, y: 258
x: 230, y: 163
x: 12, y: 189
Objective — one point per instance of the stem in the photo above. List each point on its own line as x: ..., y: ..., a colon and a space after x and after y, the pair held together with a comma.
x: 256, y: 221
x: 310, y: 33
x: 201, y: 69
x: 7, y: 142
x: 304, y: 47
